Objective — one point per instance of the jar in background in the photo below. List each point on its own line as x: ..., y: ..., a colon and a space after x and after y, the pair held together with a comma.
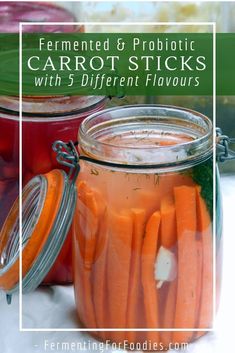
x: 14, y: 12
x: 171, y: 12
x: 143, y: 224
x: 44, y: 121
x: 11, y: 14
x: 44, y: 118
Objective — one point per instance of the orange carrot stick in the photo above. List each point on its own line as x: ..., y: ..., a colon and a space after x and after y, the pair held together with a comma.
x: 82, y: 188
x: 80, y: 223
x: 169, y: 313
x: 78, y: 273
x: 99, y: 274
x: 186, y: 302
x: 89, y: 218
x: 168, y: 240
x: 79, y: 236
x: 149, y: 250
x: 168, y: 222
x: 91, y: 229
x: 199, y: 280
x: 134, y: 317
x: 118, y: 268
x: 205, y: 229
x: 90, y: 243
x: 145, y: 197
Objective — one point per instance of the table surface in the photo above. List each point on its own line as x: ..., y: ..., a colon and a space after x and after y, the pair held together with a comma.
x: 54, y: 307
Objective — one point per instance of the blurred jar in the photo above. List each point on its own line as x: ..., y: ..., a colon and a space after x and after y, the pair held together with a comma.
x: 179, y: 11
x: 44, y: 120
x: 13, y: 12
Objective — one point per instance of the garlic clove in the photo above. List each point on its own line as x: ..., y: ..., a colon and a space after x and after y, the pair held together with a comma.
x: 165, y: 269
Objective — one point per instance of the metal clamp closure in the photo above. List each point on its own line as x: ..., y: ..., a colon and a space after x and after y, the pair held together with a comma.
x: 223, y: 151
x: 66, y: 155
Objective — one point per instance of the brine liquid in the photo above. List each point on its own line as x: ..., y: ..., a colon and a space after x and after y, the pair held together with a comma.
x: 9, y: 166
x: 143, y: 254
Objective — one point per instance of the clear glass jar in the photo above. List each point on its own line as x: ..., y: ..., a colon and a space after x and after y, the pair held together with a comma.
x: 143, y: 224
x: 44, y: 121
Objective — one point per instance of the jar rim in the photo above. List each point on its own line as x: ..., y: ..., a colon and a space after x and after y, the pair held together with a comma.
x: 197, y: 149
x: 9, y: 106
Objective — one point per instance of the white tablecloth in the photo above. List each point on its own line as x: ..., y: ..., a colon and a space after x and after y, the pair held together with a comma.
x: 54, y: 307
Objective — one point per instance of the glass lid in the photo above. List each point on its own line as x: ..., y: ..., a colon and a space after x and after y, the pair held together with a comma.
x: 48, y: 203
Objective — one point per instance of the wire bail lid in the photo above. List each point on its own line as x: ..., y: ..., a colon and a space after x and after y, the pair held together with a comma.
x: 223, y: 150
x: 48, y: 203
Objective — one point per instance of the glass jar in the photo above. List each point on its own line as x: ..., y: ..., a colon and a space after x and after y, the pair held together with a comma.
x: 44, y: 121
x: 13, y: 12
x: 156, y: 11
x: 143, y: 224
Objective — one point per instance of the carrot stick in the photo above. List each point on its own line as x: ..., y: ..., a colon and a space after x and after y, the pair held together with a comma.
x: 90, y: 243
x: 89, y: 218
x: 99, y: 274
x: 134, y: 297
x: 89, y: 215
x: 149, y: 250
x: 78, y: 273
x: 168, y: 223
x: 118, y: 268
x: 199, y: 279
x: 169, y: 313
x: 100, y: 201
x: 82, y: 188
x: 144, y: 197
x: 80, y: 224
x: 186, y: 302
x: 205, y: 229
x: 168, y: 240
x: 91, y: 229
x: 79, y: 231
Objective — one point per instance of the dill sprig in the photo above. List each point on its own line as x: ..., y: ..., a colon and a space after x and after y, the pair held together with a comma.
x: 202, y: 175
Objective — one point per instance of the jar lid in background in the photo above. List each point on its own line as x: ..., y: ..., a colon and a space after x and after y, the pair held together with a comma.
x: 51, y: 107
